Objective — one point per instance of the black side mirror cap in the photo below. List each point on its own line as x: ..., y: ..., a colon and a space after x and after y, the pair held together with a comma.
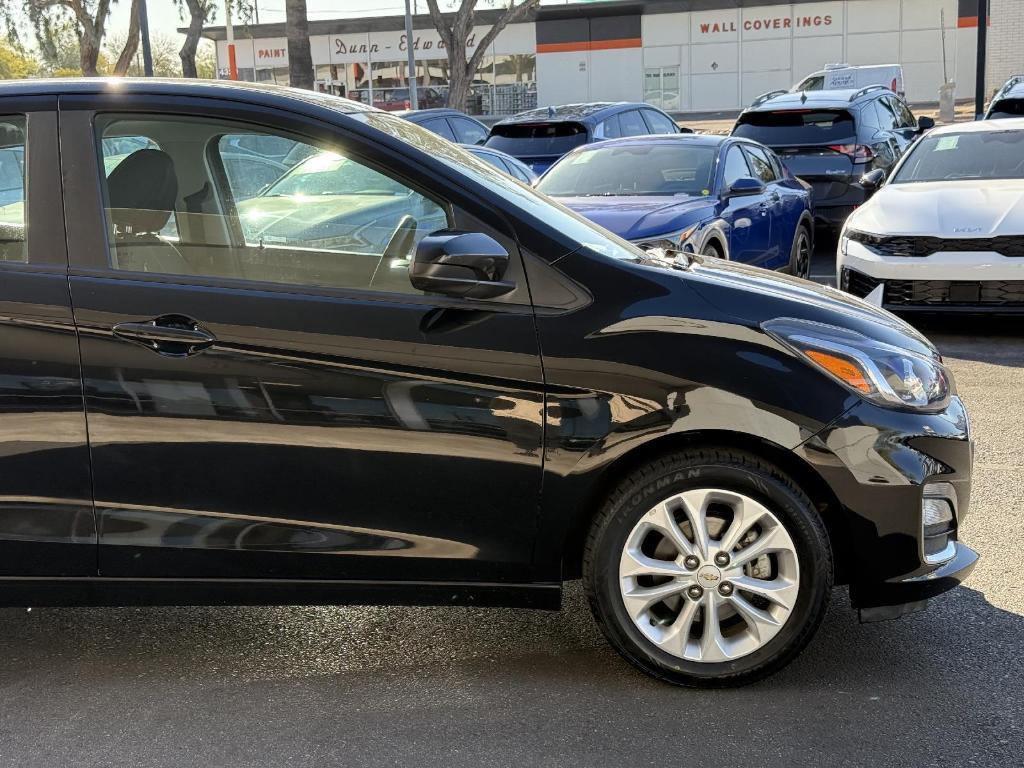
x: 872, y: 180
x: 925, y: 123
x: 746, y: 185
x: 461, y: 264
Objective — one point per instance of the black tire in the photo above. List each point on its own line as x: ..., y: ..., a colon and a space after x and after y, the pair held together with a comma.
x: 801, y: 253
x: 711, y: 248
x: 730, y: 470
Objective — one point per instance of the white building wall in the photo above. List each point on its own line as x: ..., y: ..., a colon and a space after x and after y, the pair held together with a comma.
x: 1005, y: 43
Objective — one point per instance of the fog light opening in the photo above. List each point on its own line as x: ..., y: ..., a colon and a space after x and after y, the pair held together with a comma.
x: 938, y: 522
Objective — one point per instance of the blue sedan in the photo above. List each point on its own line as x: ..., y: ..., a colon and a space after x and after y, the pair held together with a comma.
x: 713, y: 195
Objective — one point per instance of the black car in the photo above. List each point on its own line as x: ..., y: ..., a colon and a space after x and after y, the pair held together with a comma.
x: 538, y: 137
x: 830, y: 139
x: 453, y: 125
x: 1008, y: 101
x: 203, y: 408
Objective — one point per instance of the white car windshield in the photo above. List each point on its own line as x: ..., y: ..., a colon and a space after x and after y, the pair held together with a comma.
x: 967, y: 155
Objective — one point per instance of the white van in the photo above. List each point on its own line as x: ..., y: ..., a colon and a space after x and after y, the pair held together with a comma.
x: 842, y: 76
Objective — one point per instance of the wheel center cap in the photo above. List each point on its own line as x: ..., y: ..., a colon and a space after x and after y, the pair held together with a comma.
x: 709, y: 576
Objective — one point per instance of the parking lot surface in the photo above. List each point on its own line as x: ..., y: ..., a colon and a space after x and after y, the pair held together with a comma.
x: 471, y: 687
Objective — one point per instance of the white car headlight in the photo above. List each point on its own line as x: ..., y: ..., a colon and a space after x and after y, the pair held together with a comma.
x: 672, y: 244
x: 884, y: 374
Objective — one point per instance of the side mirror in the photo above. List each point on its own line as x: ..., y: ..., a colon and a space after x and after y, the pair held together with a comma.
x: 925, y: 123
x: 746, y: 185
x: 462, y: 264
x: 872, y: 180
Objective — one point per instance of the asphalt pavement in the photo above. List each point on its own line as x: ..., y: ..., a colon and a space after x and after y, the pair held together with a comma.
x: 225, y: 687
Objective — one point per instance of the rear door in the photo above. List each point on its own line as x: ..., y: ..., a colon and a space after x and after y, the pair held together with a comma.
x: 46, y: 514
x: 267, y: 394
x: 750, y: 231
x: 817, y: 145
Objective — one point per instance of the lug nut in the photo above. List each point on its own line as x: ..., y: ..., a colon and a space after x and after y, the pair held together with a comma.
x: 725, y: 588
x: 696, y: 592
x: 691, y: 563
x: 722, y: 559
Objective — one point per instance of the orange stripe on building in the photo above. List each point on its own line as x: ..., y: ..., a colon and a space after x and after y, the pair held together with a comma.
x: 593, y: 45
x: 967, y: 21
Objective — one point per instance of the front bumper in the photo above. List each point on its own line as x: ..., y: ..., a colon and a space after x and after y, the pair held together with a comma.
x: 877, y: 462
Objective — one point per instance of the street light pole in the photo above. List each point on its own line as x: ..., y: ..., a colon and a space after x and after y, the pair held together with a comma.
x: 979, y: 69
x: 147, y: 50
x: 414, y: 96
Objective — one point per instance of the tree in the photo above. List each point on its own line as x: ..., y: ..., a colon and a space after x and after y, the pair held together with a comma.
x: 199, y: 13
x: 455, y: 30
x: 165, y: 56
x: 300, y: 59
x: 16, y: 63
x: 131, y: 43
x: 90, y: 20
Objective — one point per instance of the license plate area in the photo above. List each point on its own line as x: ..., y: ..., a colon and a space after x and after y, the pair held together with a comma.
x: 965, y: 293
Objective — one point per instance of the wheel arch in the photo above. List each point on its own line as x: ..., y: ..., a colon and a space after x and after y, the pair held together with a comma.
x: 824, y: 499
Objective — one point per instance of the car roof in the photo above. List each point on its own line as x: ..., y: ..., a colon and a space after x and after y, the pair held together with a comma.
x: 701, y: 139
x: 264, y: 93
x: 588, y: 112
x: 414, y: 115
x: 833, y: 99
x: 981, y: 126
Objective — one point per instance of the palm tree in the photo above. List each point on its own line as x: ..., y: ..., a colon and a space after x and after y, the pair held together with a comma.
x: 300, y: 60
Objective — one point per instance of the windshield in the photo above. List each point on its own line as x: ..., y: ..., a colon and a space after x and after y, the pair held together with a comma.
x: 520, y: 196
x: 537, y: 138
x: 968, y: 155
x: 633, y: 169
x: 327, y: 173
x: 797, y: 126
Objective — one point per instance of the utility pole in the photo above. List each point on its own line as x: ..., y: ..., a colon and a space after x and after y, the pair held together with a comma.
x: 232, y: 61
x: 979, y: 69
x: 414, y: 96
x: 147, y: 50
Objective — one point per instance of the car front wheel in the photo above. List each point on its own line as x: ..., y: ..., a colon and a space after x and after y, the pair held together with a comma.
x: 708, y: 568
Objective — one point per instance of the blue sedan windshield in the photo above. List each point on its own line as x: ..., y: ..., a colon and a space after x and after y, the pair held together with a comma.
x: 634, y: 169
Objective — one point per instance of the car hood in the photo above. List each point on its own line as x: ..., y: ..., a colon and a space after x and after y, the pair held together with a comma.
x: 771, y: 295
x: 969, y: 208
x: 638, y: 218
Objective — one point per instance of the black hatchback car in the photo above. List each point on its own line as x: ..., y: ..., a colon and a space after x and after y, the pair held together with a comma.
x: 455, y: 392
x: 830, y: 139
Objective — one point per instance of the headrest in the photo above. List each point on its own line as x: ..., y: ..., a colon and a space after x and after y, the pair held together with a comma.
x: 142, y: 190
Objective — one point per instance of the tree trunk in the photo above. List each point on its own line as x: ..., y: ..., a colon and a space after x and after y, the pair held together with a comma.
x: 460, y: 79
x: 88, y: 53
x: 131, y: 43
x: 187, y: 54
x: 300, y: 59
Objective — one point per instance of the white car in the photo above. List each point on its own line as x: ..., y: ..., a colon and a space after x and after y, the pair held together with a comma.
x: 946, y: 230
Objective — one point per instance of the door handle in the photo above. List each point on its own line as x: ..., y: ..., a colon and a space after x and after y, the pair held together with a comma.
x: 172, y: 335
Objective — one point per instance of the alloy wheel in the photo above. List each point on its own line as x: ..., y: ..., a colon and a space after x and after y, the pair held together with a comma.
x: 709, y: 575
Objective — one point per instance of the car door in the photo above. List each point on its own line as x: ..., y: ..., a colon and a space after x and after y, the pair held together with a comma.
x: 47, y: 526
x: 778, y: 204
x: 749, y: 223
x: 267, y: 394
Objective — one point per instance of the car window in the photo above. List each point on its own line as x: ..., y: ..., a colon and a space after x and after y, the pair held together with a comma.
x: 249, y: 172
x: 493, y: 160
x: 331, y: 220
x: 116, y: 149
x: 970, y: 155
x: 735, y: 166
x: 812, y: 83
x: 887, y: 118
x: 439, y: 125
x: 632, y: 124
x: 518, y: 172
x: 537, y: 139
x: 658, y: 122
x: 1007, y: 108
x: 797, y: 126
x: 759, y: 163
x: 903, y: 114
x: 467, y: 131
x: 12, y: 189
x: 609, y: 129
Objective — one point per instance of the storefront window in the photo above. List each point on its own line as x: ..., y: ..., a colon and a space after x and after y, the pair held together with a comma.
x: 661, y: 87
x: 515, y: 84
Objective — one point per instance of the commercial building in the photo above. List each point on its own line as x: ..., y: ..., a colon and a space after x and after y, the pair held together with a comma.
x: 681, y: 55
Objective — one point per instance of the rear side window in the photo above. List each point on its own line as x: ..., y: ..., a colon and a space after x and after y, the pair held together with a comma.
x: 439, y: 126
x: 632, y: 124
x: 658, y: 122
x: 534, y: 139
x: 797, y: 126
x: 12, y: 189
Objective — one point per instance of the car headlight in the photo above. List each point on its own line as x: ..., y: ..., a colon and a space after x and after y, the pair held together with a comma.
x: 884, y: 374
x: 869, y: 240
x: 671, y: 244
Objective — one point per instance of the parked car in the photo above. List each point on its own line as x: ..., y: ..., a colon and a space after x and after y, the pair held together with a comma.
x: 504, y: 163
x: 453, y: 125
x: 468, y: 414
x: 396, y: 99
x: 1008, y: 101
x: 837, y: 77
x: 712, y: 195
x: 832, y: 138
x: 539, y: 137
x: 946, y: 232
